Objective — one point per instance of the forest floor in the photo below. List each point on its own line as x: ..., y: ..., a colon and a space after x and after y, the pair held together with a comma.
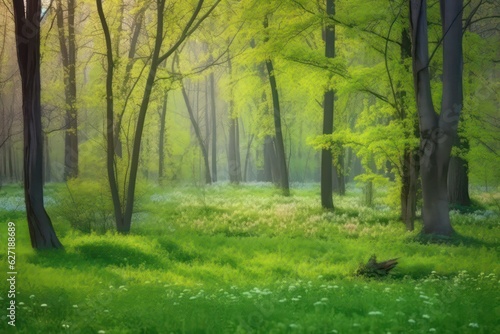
x: 244, y: 259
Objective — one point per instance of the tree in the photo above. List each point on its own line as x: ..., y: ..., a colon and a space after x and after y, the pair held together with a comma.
x: 280, y: 147
x: 328, y: 109
x: 123, y: 211
x: 213, y: 118
x: 437, y: 131
x: 199, y: 138
x: 67, y: 45
x: 233, y: 152
x: 27, y: 19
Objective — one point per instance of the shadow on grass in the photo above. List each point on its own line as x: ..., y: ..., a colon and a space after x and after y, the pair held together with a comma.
x: 97, y: 254
x: 456, y: 239
x: 178, y: 253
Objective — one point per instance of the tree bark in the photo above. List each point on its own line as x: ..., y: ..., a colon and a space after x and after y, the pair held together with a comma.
x: 437, y: 131
x: 161, y: 140
x: 199, y: 138
x: 234, y: 162
x: 458, y: 176
x: 27, y: 28
x: 279, y: 145
x: 214, y: 127
x: 328, y: 110
x: 110, y: 143
x: 68, y: 55
x: 271, y: 172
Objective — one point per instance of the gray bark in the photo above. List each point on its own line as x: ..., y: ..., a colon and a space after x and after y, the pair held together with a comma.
x: 437, y: 132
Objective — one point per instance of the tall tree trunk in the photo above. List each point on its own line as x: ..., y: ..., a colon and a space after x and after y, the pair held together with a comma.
x: 279, y: 145
x: 234, y: 162
x: 328, y: 107
x: 47, y: 175
x: 233, y: 154
x: 110, y: 144
x: 409, y: 185
x: 161, y: 140
x: 214, y: 127
x: 458, y: 175
x: 437, y: 132
x: 68, y: 55
x: 410, y: 167
x: 247, y: 158
x: 271, y: 170
x: 199, y: 138
x: 339, y: 175
x: 27, y: 29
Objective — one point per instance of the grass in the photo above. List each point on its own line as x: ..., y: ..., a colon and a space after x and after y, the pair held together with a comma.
x: 226, y: 259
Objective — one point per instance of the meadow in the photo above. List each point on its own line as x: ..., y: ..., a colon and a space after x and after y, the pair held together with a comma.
x: 244, y: 259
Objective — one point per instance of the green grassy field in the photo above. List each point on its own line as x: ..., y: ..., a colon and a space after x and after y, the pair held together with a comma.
x: 226, y: 259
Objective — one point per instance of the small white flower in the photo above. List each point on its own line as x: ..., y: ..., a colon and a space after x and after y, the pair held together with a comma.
x: 32, y: 296
x: 282, y: 300
x: 192, y: 298
x: 106, y: 311
x: 374, y: 313
x: 295, y: 299
x: 21, y: 303
x: 101, y: 332
x: 324, y: 299
x: 474, y: 325
x: 75, y: 306
x: 411, y: 321
x: 43, y: 305
x: 432, y: 329
x: 426, y: 316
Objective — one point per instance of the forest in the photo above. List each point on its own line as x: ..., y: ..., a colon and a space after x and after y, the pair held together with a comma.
x: 250, y: 166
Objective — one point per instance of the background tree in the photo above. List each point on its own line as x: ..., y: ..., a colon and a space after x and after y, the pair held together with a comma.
x: 67, y: 42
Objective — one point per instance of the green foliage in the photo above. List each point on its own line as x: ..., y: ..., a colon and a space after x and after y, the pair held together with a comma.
x: 244, y: 259
x: 85, y: 205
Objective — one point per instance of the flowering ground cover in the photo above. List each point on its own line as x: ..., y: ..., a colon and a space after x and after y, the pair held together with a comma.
x: 244, y: 259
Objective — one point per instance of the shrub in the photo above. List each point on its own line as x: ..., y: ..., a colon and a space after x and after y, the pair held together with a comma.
x: 86, y: 205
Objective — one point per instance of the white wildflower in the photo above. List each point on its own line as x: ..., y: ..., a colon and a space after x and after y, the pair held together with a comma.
x: 374, y: 313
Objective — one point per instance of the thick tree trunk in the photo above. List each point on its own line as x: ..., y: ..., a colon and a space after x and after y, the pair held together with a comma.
x: 328, y: 107
x: 437, y: 131
x: 409, y: 188
x: 47, y: 169
x: 27, y: 29
x: 458, y: 176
